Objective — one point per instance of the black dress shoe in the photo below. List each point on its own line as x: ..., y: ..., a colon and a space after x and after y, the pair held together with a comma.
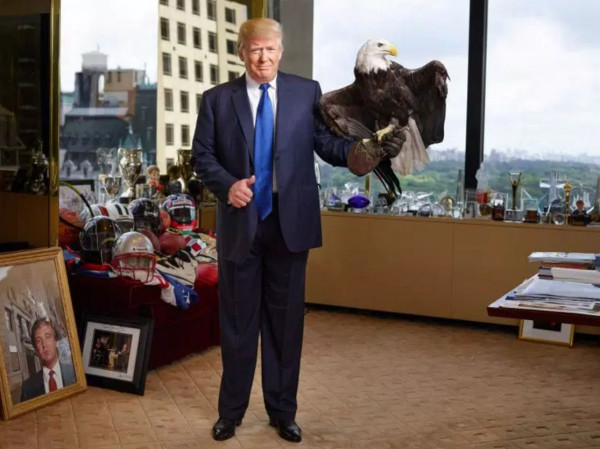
x: 225, y: 428
x: 288, y: 430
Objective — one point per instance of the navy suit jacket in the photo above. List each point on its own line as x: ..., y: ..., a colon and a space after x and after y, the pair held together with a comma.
x: 223, y: 153
x: 33, y: 386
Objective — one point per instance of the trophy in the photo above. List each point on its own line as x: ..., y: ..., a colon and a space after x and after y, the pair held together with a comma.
x: 514, y: 214
x: 184, y: 157
x: 110, y: 184
x: 130, y: 166
x: 105, y: 158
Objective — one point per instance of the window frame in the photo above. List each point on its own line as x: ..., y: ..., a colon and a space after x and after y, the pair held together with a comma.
x: 183, y: 74
x: 169, y: 129
x: 165, y: 29
x: 184, y: 101
x: 168, y: 94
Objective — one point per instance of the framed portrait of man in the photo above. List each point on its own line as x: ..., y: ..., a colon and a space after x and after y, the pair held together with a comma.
x: 40, y: 359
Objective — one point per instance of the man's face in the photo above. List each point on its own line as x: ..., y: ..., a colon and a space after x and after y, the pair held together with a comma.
x: 261, y: 55
x: 46, y: 346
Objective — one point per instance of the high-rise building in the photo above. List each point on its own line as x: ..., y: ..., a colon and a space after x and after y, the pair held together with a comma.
x: 197, y: 49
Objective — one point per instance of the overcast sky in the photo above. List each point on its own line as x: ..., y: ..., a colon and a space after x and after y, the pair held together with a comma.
x: 543, y: 72
x: 543, y: 63
x: 125, y: 30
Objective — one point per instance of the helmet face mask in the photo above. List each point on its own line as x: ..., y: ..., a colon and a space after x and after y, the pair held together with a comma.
x: 182, y: 210
x: 133, y: 257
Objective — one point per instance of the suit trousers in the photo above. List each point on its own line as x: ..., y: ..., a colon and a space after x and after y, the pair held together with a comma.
x: 263, y: 295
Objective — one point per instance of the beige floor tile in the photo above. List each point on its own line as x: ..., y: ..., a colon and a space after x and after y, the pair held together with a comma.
x: 367, y: 382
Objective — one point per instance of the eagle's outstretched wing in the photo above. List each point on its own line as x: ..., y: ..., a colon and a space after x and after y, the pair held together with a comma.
x: 344, y: 114
x: 428, y: 91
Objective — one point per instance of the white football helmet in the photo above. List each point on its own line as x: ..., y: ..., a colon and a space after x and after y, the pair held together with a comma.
x: 133, y: 257
x: 98, y: 210
x: 121, y: 214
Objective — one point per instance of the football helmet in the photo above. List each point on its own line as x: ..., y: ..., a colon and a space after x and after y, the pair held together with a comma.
x: 120, y: 213
x: 182, y: 209
x: 146, y: 215
x: 133, y: 257
x: 98, y: 210
x: 97, y: 239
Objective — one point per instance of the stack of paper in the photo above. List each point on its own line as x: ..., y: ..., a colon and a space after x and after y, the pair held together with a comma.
x: 560, y: 257
x: 541, y: 289
x: 575, y: 275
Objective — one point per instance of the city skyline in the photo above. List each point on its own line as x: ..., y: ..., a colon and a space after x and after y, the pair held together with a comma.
x: 127, y: 32
x: 542, y: 96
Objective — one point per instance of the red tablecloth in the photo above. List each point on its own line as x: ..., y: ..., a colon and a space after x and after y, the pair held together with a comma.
x: 177, y: 332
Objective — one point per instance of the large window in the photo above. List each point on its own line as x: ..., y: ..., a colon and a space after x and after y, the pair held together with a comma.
x: 196, y: 7
x: 421, y: 31
x: 543, y: 95
x: 106, y: 69
x: 181, y: 5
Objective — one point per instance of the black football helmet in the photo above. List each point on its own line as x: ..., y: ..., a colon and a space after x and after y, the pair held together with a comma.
x: 146, y: 215
x: 97, y: 239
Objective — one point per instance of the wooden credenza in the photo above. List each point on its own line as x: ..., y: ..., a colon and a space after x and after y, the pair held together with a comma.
x: 434, y: 267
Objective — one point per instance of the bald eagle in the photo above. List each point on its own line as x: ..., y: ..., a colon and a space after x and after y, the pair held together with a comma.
x: 385, y: 93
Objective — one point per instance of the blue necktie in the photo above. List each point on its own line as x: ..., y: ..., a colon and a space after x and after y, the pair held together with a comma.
x: 263, y: 154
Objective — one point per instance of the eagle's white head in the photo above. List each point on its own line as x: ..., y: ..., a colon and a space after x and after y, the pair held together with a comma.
x: 372, y: 55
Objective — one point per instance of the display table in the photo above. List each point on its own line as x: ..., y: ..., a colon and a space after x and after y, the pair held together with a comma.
x: 500, y: 308
x: 177, y: 332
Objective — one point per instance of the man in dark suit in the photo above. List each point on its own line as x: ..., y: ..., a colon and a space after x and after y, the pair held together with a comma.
x: 54, y: 374
x: 254, y: 149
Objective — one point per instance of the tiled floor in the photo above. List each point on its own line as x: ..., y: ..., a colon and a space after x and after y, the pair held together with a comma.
x: 367, y: 382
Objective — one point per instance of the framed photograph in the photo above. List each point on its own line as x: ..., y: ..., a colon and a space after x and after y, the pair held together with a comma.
x: 85, y: 185
x: 547, y: 332
x: 40, y: 359
x: 116, y: 351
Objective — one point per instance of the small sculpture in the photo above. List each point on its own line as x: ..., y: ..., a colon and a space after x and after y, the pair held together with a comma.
x: 153, y: 177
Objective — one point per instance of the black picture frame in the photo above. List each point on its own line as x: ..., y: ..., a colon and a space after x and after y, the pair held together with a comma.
x: 107, y: 362
x: 88, y: 185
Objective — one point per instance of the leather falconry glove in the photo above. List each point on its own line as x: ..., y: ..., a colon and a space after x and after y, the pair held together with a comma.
x: 366, y: 154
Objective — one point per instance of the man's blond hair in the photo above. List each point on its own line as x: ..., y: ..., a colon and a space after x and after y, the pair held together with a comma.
x: 261, y: 27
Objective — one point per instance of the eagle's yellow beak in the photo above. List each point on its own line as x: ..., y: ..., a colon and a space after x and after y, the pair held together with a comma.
x: 393, y: 50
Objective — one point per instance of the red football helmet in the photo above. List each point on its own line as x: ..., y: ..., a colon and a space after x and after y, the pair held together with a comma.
x: 182, y: 209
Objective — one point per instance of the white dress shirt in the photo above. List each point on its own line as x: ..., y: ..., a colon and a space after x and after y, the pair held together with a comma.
x: 254, y: 94
x: 57, y: 376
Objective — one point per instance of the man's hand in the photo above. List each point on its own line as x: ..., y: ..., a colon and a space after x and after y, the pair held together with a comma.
x: 240, y: 193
